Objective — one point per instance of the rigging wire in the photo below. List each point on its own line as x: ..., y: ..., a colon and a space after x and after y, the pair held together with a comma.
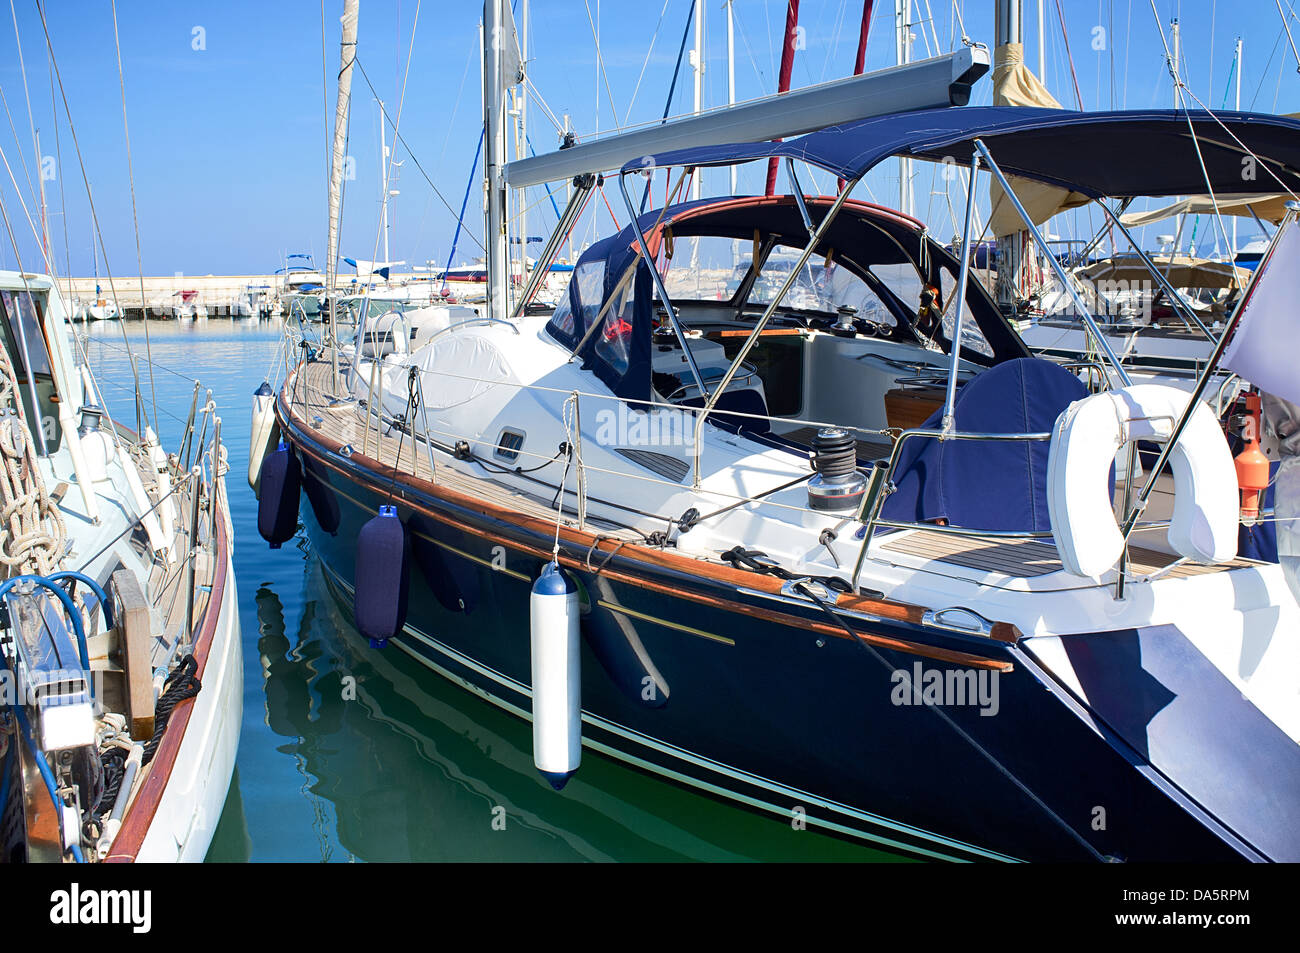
x: 672, y: 89
x: 22, y: 69
x: 1259, y: 87
x: 411, y: 153
x: 392, y: 156
x: 600, y: 61
x: 650, y: 52
x: 1060, y: 18
x: 63, y: 202
x: 135, y: 218
x: 1287, y: 27
x: 4, y: 101
x: 81, y: 161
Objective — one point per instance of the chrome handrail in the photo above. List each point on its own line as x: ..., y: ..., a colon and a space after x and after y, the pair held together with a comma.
x: 869, y: 514
x: 482, y: 319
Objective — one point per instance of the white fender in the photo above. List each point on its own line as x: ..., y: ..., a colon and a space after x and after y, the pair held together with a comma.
x: 557, y: 676
x: 85, y: 476
x: 263, y: 435
x: 1084, y: 443
x: 165, y: 502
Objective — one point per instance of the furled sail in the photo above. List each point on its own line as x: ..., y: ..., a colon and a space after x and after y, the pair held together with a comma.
x: 512, y: 61
x: 1015, y: 85
x: 347, y: 56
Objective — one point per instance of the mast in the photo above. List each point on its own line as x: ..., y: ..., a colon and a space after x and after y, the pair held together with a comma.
x: 347, y: 56
x: 1042, y: 44
x: 697, y: 64
x: 903, y: 55
x: 1015, y: 251
x: 1232, y: 254
x: 521, y: 143
x: 1175, y: 70
x: 1176, y: 39
x: 731, y: 74
x: 494, y: 159
x: 383, y: 177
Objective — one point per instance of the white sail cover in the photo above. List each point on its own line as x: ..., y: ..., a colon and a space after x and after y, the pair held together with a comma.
x: 366, y: 269
x: 1262, y: 349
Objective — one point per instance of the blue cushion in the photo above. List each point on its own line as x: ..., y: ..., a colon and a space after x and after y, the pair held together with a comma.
x: 738, y: 402
x: 986, y: 484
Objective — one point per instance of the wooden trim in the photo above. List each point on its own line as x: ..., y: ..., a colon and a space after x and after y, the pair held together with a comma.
x: 769, y: 333
x: 144, y: 806
x: 728, y: 576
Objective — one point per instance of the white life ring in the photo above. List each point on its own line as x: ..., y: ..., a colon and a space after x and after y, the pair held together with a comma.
x: 1085, y: 440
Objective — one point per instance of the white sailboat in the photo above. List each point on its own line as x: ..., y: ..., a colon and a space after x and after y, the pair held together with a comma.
x: 122, y: 643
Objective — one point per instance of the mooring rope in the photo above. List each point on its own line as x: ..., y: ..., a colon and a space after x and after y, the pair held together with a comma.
x: 34, y: 532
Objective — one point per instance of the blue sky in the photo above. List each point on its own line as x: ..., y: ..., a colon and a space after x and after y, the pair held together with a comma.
x: 226, y: 109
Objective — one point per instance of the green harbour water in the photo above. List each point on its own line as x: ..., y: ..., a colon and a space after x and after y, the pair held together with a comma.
x: 348, y: 753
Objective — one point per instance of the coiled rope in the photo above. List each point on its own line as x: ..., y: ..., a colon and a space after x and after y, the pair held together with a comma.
x: 32, y: 532
x: 182, y: 683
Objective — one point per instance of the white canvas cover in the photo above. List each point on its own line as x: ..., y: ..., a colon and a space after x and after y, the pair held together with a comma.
x: 1262, y: 349
x: 1269, y: 208
x: 459, y: 368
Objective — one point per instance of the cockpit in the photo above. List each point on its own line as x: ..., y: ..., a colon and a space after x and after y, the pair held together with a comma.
x: 860, y: 337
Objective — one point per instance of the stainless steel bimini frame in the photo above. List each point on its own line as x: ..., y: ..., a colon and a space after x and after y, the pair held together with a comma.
x: 878, y: 484
x: 711, y: 398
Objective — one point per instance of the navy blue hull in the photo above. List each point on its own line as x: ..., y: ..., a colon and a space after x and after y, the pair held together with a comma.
x: 768, y: 710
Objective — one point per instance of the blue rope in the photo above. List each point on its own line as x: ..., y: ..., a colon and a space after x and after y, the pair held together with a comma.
x: 83, y: 650
x: 463, y: 205
x: 90, y: 584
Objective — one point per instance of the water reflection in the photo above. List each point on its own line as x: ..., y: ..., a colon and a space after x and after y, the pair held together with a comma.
x: 350, y: 753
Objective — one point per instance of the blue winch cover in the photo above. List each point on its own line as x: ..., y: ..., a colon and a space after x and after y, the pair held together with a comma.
x: 987, y: 484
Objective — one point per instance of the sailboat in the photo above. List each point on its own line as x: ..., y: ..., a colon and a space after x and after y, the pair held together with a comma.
x: 99, y: 308
x: 820, y: 558
x: 121, y: 644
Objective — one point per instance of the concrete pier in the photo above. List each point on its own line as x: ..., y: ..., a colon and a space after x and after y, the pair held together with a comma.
x: 214, y: 293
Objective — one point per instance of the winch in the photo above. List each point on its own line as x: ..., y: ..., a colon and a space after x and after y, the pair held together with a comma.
x: 838, y: 485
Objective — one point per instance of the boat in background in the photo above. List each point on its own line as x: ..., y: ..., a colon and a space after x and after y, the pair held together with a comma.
x: 302, y: 287
x: 122, y: 644
x: 98, y: 308
x: 1161, y: 334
